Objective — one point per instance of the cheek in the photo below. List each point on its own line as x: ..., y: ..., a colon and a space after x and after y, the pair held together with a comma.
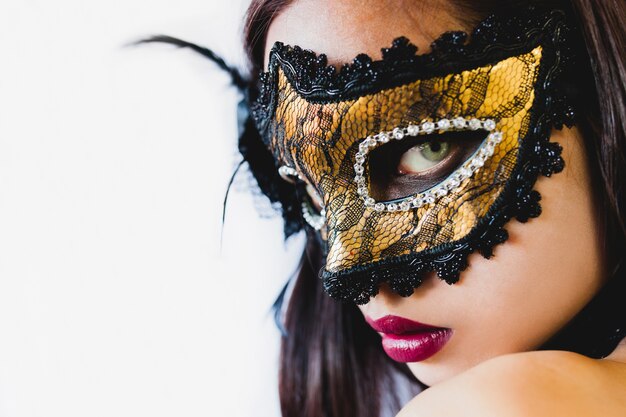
x: 544, y: 274
x: 537, y: 281
x: 550, y: 267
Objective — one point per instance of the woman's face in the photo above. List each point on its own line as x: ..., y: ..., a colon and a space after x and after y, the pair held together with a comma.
x: 547, y: 270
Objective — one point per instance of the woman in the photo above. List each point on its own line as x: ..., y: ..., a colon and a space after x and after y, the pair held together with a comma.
x: 416, y: 172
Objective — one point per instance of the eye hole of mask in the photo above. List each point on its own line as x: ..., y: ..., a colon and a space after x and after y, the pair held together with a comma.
x: 314, y: 198
x: 291, y: 175
x: 399, y: 169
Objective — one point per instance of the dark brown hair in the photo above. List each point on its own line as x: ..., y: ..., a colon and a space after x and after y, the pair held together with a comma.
x: 332, y: 363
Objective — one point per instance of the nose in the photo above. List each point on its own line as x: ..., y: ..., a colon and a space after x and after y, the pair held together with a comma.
x: 383, y: 303
x: 387, y: 296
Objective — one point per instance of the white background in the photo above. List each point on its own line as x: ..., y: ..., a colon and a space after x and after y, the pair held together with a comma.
x: 115, y: 297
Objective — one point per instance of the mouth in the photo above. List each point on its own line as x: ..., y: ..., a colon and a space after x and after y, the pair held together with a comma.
x: 406, y: 340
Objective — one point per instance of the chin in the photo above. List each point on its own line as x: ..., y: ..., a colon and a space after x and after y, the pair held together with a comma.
x: 432, y: 374
x: 446, y: 365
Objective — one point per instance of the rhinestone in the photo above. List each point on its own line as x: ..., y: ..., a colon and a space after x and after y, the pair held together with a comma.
x: 459, y: 123
x: 392, y: 207
x: 428, y: 127
x: 443, y: 124
x: 496, y: 137
x: 360, y: 159
x: 358, y: 168
x: 464, y: 173
x: 398, y: 133
x: 359, y: 179
x: 369, y: 201
x: 285, y: 170
x: 413, y: 130
x: 417, y: 202
x: 477, y: 162
x: 429, y: 198
x: 362, y: 191
x: 453, y: 183
x: 487, y: 150
x: 440, y: 192
x: 379, y: 206
x: 315, y: 221
x: 489, y: 124
x: 405, y: 206
x: 383, y: 138
x: 363, y: 147
x: 474, y: 124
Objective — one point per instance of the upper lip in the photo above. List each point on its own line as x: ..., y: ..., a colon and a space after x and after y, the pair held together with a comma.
x: 391, y: 324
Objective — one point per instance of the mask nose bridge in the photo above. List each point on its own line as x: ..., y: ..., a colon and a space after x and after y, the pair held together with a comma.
x: 346, y: 215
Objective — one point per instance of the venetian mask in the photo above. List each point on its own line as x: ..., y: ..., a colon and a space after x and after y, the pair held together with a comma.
x: 415, y: 161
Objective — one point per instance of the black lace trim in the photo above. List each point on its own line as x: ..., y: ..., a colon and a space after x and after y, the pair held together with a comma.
x: 537, y: 156
x: 495, y: 38
x: 262, y: 165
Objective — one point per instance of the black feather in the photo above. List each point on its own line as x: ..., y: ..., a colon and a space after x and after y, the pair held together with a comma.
x: 237, y: 79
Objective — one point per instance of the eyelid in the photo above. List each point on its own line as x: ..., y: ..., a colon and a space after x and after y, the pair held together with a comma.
x: 451, y: 183
x: 433, y: 168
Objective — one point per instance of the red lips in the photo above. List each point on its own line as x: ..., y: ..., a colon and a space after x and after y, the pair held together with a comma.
x: 406, y: 340
x: 397, y: 325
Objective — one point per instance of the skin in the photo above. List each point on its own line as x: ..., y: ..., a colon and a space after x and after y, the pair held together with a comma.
x: 546, y: 383
x: 504, y: 307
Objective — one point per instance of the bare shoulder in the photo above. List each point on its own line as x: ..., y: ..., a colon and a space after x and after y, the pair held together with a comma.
x: 546, y: 383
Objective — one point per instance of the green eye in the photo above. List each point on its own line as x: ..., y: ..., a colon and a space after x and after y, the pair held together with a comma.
x: 405, y: 167
x: 435, y: 151
x: 423, y: 157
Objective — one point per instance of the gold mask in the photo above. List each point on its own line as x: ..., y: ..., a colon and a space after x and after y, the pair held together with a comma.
x: 418, y: 160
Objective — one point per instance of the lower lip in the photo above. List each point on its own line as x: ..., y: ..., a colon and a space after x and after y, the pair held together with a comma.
x: 415, y: 347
